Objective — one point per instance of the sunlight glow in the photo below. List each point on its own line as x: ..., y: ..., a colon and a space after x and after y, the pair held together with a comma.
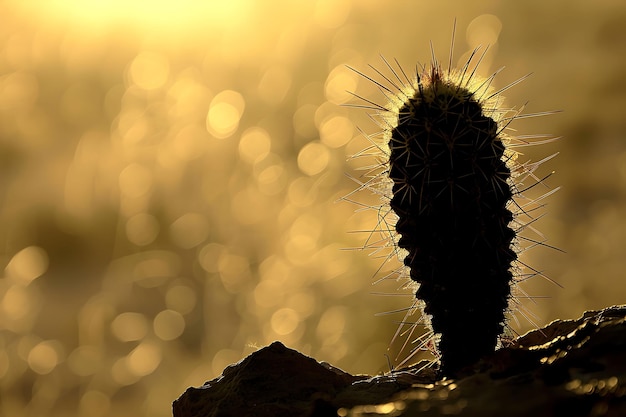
x: 177, y: 183
x: 144, y: 14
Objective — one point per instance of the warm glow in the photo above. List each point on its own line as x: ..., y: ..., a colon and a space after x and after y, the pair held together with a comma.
x: 44, y: 357
x: 28, y: 264
x: 172, y: 174
x: 168, y: 324
x: 129, y: 326
x: 169, y: 15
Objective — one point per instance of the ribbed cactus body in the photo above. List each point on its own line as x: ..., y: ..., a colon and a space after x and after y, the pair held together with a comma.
x: 453, y: 205
x: 451, y: 194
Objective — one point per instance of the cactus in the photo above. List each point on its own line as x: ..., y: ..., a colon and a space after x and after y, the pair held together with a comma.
x: 450, y: 174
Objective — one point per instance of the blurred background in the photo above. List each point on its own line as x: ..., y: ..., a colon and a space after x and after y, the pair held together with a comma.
x: 171, y: 175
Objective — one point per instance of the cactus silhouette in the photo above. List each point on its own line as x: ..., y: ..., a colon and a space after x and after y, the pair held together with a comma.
x: 451, y: 193
x: 451, y: 176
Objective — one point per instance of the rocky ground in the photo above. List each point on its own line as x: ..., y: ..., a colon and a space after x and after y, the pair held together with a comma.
x: 569, y: 368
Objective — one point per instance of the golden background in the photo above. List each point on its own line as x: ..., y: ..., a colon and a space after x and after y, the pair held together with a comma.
x: 170, y: 172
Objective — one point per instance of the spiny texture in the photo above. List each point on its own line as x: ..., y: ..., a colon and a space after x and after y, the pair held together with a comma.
x: 451, y: 194
x: 453, y: 205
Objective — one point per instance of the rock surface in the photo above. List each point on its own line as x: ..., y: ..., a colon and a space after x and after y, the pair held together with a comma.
x: 569, y: 368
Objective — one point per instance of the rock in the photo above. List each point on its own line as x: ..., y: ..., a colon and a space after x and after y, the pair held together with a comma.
x: 569, y: 368
x: 273, y: 381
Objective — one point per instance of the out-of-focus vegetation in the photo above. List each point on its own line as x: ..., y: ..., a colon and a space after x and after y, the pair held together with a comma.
x: 170, y: 170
